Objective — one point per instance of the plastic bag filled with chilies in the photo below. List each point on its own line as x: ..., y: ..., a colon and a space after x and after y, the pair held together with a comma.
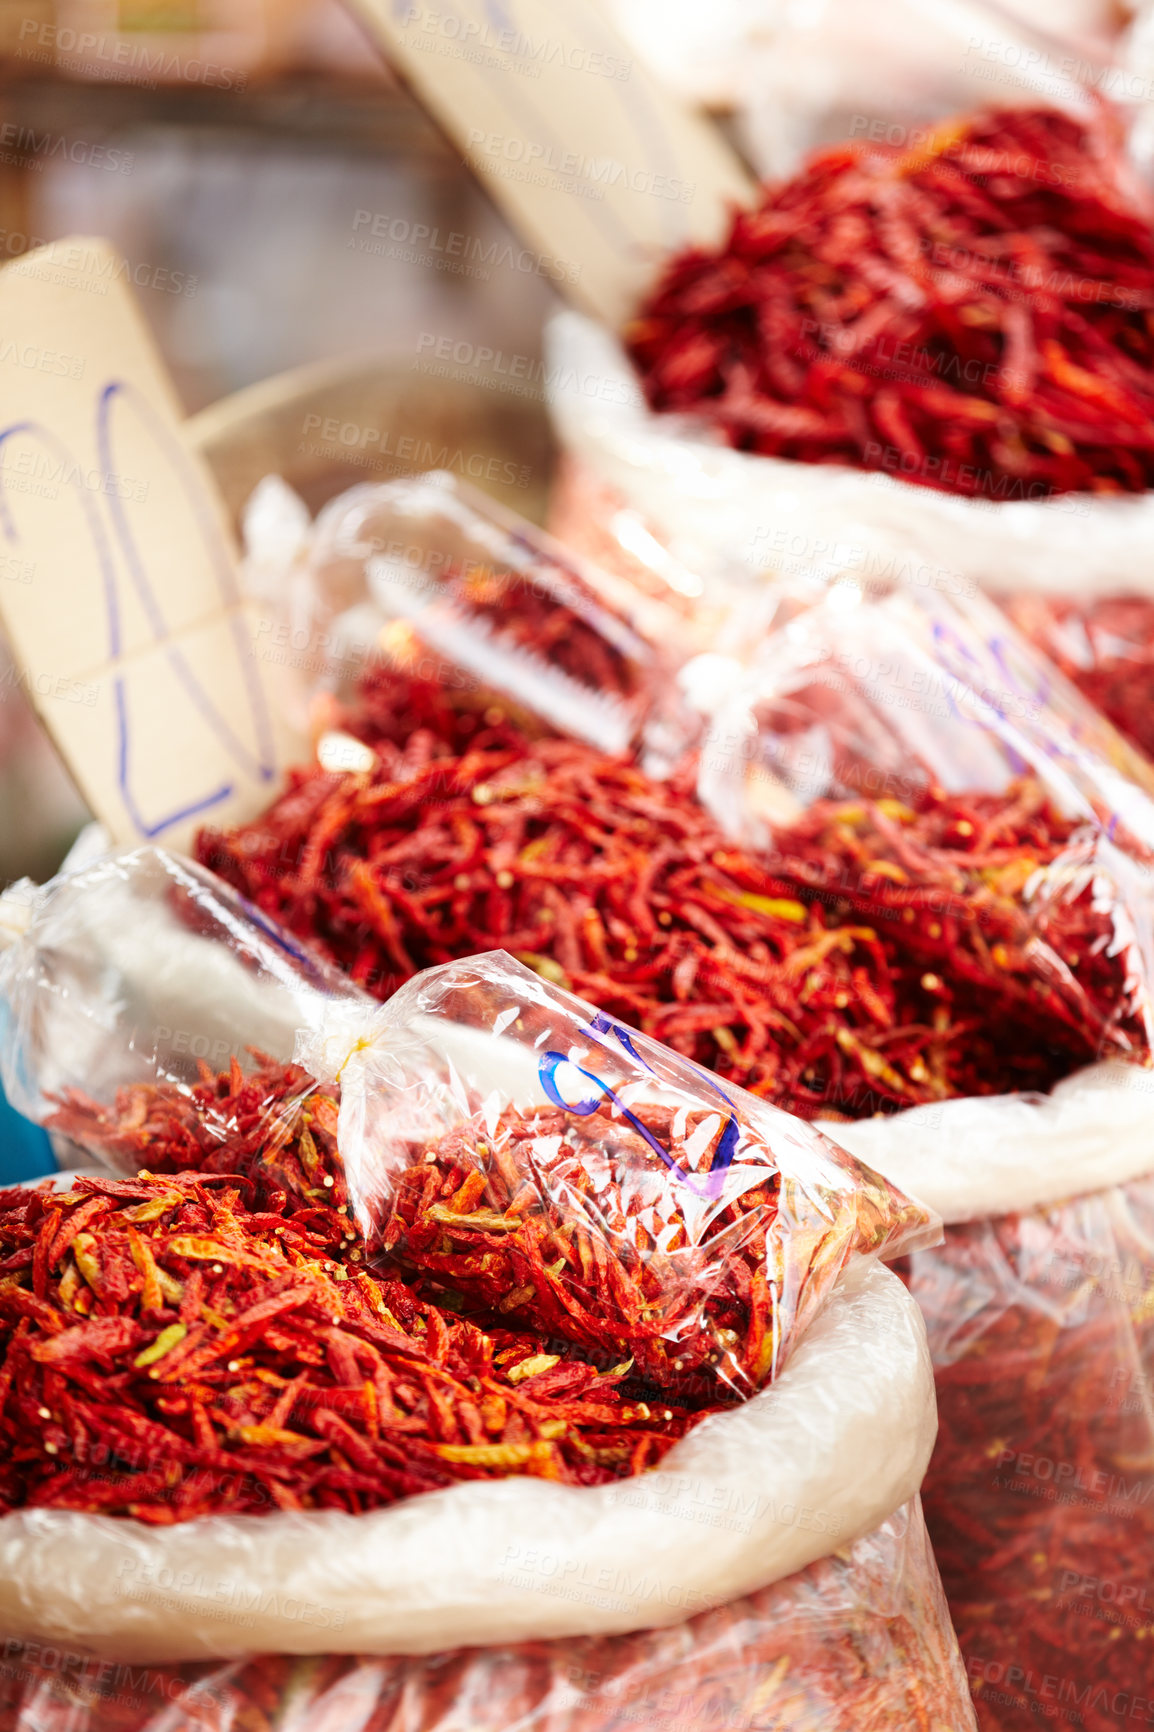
x: 907, y: 731
x: 516, y: 1147
x: 144, y: 972
x: 523, y: 1150
x: 856, y: 1642
x: 911, y: 763
x: 435, y: 579
x: 1040, y: 1494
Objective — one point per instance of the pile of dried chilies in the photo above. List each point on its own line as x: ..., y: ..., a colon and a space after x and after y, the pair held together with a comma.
x: 972, y: 314
x: 882, y: 956
x: 170, y: 1351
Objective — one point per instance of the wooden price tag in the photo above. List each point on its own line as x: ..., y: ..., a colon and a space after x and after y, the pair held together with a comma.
x: 600, y: 169
x: 118, y: 587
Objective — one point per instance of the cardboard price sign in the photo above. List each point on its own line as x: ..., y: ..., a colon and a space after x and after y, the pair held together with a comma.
x: 600, y: 169
x: 118, y: 588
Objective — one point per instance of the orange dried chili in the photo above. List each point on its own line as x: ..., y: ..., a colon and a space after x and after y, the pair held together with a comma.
x: 972, y: 315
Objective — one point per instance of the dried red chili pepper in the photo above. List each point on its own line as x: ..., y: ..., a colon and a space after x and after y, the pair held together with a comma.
x: 170, y: 1352
x: 857, y: 1642
x: 571, y: 1226
x: 273, y: 1124
x: 973, y: 314
x: 810, y: 977
x: 1106, y: 647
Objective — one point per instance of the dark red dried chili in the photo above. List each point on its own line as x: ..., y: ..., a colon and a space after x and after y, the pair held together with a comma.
x: 973, y: 314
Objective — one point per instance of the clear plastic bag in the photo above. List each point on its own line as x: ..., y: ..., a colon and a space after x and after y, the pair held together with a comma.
x: 857, y: 1642
x: 1040, y: 1495
x: 513, y: 1145
x: 144, y: 968
x: 447, y: 586
x: 915, y: 764
x: 1105, y: 645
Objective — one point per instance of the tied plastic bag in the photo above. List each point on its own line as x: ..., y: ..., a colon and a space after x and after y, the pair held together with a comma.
x: 144, y: 968
x: 535, y: 1159
x: 448, y: 587
x: 913, y: 764
x: 857, y: 1642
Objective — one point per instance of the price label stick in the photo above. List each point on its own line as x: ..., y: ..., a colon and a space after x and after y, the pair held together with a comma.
x: 118, y: 585
x: 601, y: 170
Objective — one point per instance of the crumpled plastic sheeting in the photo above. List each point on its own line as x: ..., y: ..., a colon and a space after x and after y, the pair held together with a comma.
x: 811, y: 1464
x: 1040, y: 1495
x: 857, y: 1642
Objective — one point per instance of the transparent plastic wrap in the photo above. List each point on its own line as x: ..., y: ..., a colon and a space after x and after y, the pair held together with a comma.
x: 915, y: 765
x: 143, y: 967
x: 857, y: 1642
x: 516, y: 1147
x: 926, y: 353
x: 1104, y: 644
x: 445, y: 585
x: 1040, y: 1494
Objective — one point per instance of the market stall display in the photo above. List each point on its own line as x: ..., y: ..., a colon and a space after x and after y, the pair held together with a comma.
x: 491, y: 1242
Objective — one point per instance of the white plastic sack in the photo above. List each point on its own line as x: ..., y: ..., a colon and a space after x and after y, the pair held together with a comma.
x: 724, y: 513
x: 814, y: 1462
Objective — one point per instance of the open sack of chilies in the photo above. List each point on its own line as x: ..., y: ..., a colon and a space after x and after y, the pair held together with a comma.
x: 484, y: 1322
x: 902, y: 887
x: 927, y: 351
